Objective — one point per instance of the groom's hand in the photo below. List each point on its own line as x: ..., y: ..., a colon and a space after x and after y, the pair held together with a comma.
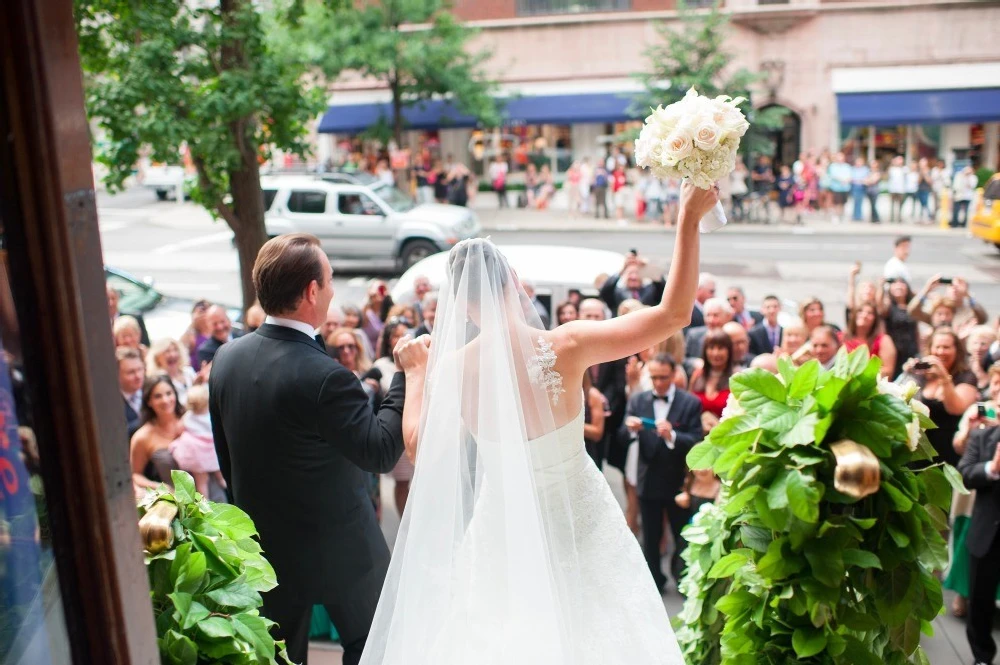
x: 411, y: 354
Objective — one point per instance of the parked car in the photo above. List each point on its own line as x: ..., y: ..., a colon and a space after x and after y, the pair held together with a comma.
x: 985, y: 217
x: 350, y: 177
x: 164, y: 180
x: 371, y: 225
x: 165, y: 316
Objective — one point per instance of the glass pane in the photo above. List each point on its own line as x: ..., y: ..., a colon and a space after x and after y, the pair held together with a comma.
x: 307, y: 202
x: 32, y: 626
x: 531, y: 7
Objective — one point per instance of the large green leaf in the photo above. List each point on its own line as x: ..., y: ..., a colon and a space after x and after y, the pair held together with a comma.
x: 755, y: 537
x: 760, y: 381
x: 808, y: 642
x: 236, y: 596
x: 805, y: 380
x: 861, y: 559
x: 738, y: 501
x: 892, y: 595
x: 216, y: 628
x: 779, y: 562
x: 954, y: 478
x: 703, y: 455
x: 899, y: 500
x: 179, y: 649
x: 777, y: 417
x: 777, y: 493
x: 804, y: 496
x: 254, y: 629
x: 232, y: 521
x: 829, y: 393
x: 826, y: 563
x: 184, y: 489
x: 737, y: 603
x: 803, y: 433
x: 729, y: 564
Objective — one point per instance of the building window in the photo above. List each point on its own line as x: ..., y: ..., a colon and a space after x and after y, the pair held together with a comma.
x: 539, y: 7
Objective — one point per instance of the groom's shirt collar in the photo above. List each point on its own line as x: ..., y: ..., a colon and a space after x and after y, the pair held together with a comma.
x: 303, y: 328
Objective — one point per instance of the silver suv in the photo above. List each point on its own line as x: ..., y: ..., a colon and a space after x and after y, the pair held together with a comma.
x: 376, y: 224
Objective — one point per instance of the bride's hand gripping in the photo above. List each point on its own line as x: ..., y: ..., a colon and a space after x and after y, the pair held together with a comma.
x: 696, y: 202
x: 411, y: 354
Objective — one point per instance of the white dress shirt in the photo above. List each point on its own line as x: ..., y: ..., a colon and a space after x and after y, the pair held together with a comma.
x: 661, y: 409
x: 302, y: 327
x: 134, y: 400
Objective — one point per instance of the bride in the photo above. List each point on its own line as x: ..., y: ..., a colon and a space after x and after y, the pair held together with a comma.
x: 512, y: 548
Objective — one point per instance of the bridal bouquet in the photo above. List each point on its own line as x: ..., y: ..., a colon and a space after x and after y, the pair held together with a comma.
x: 696, y: 138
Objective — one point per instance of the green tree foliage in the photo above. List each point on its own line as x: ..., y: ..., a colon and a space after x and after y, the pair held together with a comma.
x: 171, y: 73
x: 692, y: 53
x: 786, y: 568
x: 206, y: 587
x: 416, y: 48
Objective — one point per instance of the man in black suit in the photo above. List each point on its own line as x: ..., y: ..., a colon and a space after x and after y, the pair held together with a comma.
x: 767, y: 335
x: 628, y: 285
x: 610, y: 379
x: 222, y: 332
x: 717, y: 314
x: 113, y: 297
x: 980, y: 468
x: 672, y: 427
x: 737, y: 299
x: 428, y: 312
x: 295, y: 437
x: 741, y: 345
x: 131, y: 376
x: 706, y: 290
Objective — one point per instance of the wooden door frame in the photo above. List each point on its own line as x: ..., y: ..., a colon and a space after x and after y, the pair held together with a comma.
x: 48, y: 208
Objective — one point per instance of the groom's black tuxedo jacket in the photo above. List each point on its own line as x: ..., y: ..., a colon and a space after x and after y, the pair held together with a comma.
x: 295, y: 434
x: 985, y: 523
x: 661, y: 469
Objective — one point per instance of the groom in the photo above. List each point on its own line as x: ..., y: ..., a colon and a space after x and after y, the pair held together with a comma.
x: 295, y: 438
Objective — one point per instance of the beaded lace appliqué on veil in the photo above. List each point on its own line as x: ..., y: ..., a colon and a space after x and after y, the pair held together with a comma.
x: 541, y: 372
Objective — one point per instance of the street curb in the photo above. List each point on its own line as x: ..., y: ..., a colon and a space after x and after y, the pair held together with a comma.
x: 768, y: 229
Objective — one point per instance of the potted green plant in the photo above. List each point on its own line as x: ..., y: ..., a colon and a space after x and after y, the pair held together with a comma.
x: 206, y: 574
x: 825, y: 543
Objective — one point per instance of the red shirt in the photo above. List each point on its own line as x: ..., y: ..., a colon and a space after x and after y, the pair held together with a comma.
x: 617, y: 181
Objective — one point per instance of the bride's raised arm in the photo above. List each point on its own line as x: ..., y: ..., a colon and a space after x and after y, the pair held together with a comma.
x: 588, y: 343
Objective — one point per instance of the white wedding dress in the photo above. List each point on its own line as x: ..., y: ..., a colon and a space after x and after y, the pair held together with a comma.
x: 512, y: 549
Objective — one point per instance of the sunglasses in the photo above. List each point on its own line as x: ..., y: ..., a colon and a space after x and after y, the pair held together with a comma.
x: 399, y: 320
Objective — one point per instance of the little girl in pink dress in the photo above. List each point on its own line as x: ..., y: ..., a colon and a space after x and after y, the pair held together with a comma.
x: 194, y: 450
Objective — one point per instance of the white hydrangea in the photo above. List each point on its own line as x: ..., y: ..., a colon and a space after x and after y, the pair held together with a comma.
x: 913, y: 433
x: 732, y: 408
x: 696, y: 138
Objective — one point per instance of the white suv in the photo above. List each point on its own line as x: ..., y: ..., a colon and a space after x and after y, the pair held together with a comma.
x: 376, y: 224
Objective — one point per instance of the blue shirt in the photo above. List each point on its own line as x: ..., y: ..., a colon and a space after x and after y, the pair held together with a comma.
x: 858, y: 175
x: 840, y: 177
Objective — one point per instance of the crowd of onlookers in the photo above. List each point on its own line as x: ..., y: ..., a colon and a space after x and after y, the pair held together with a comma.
x: 936, y: 334
x: 822, y: 184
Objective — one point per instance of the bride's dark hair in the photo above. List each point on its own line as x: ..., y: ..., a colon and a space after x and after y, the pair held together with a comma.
x: 462, y: 260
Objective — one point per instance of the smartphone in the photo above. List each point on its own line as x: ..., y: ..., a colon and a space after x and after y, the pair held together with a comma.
x: 891, y: 280
x: 648, y: 423
x: 633, y: 252
x: 921, y: 366
x: 944, y: 280
x: 985, y: 411
x: 981, y: 408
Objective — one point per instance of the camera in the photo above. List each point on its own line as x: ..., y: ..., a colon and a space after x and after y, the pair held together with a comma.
x: 891, y: 280
x: 945, y: 280
x: 921, y: 366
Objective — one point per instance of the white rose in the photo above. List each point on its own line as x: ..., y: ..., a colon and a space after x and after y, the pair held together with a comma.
x: 920, y: 408
x: 913, y: 434
x: 679, y: 145
x: 732, y: 408
x: 706, y: 136
x: 887, y: 387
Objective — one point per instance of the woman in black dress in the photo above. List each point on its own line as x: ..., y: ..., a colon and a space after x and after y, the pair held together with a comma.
x: 899, y: 325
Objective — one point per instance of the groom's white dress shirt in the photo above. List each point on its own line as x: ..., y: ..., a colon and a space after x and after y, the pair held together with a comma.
x: 303, y: 328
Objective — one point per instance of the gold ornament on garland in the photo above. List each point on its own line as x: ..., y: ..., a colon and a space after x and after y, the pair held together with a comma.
x: 857, y: 473
x: 156, y: 527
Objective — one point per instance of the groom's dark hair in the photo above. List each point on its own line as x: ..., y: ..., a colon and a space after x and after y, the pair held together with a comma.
x: 285, y: 266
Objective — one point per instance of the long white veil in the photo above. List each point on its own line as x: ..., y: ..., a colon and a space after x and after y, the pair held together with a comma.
x: 478, y: 575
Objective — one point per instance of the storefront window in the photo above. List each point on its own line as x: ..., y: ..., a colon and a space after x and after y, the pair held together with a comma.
x: 32, y: 627
x: 521, y: 145
x: 924, y: 141
x: 539, y: 7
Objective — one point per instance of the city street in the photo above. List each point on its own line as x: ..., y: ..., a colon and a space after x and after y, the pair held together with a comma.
x: 188, y: 255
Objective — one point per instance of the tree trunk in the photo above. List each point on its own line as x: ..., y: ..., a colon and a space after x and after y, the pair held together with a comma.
x: 248, y: 227
x: 397, y: 114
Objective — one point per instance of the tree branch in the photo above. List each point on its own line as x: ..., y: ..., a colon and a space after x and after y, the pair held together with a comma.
x: 206, y: 185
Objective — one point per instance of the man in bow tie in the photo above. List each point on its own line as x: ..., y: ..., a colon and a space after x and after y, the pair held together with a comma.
x: 666, y: 423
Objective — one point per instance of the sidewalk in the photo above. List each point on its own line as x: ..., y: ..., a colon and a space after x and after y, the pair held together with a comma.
x: 558, y: 218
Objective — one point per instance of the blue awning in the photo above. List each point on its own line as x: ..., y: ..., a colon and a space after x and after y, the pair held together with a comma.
x: 929, y: 107
x: 443, y: 114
